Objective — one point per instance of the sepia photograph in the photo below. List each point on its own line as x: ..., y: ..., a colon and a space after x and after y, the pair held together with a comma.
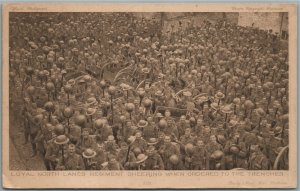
x: 153, y: 91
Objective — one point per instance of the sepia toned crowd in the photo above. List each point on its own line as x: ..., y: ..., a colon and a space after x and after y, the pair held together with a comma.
x: 112, y: 91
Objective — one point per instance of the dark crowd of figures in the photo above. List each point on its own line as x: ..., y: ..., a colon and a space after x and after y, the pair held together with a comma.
x: 110, y: 91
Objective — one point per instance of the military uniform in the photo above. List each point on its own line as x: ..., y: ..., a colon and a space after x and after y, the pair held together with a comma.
x: 149, y: 131
x: 178, y: 166
x: 129, y: 131
x: 139, y: 143
x: 121, y: 157
x: 167, y: 150
x: 185, y: 139
x: 52, y: 155
x: 181, y: 128
x: 111, y: 148
x: 154, y: 162
x: 273, y: 144
x: 84, y: 144
x: 249, y: 138
x: 74, y: 134
x: 198, y: 158
x: 100, y: 158
x: 235, y: 160
x: 71, y: 162
x: 113, y: 166
x: 209, y: 149
x: 205, y: 137
x: 258, y: 161
x: 33, y: 131
x: 103, y: 133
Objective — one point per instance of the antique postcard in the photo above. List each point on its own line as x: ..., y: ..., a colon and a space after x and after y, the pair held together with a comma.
x: 139, y: 96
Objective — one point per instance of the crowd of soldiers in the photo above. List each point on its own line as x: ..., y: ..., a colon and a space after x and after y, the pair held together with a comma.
x: 209, y: 97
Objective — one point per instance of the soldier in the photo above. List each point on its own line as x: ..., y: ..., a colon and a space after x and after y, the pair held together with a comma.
x: 101, y: 156
x: 129, y: 130
x: 112, y: 163
x: 86, y: 141
x: 258, y: 161
x: 142, y: 124
x: 89, y: 115
x: 110, y: 145
x: 25, y: 113
x: 210, y: 148
x: 52, y: 154
x: 174, y: 163
x: 104, y: 130
x: 74, y: 134
x: 39, y: 138
x: 89, y: 159
x: 182, y: 125
x: 154, y: 160
x: 72, y: 161
x: 236, y: 153
x: 187, y: 137
x: 206, y: 133
x: 126, y: 157
x: 160, y: 140
x: 199, y: 156
x: 198, y: 127
x: 35, y: 123
x: 140, y: 115
x: 167, y: 150
x: 249, y: 136
x: 150, y: 130
x: 171, y: 128
x: 274, y: 143
x: 139, y: 142
x: 139, y: 164
x: 217, y: 160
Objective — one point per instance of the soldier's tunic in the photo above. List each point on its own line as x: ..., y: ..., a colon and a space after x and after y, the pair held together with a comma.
x: 197, y: 130
x: 33, y: 130
x: 209, y: 149
x: 258, y: 161
x: 72, y: 162
x: 205, y: 137
x: 52, y: 154
x: 121, y: 157
x: 172, y: 130
x: 167, y: 150
x: 40, y: 140
x: 185, y: 139
x: 84, y: 144
x: 100, y: 158
x: 154, y: 162
x: 113, y: 166
x: 235, y: 161
x: 74, y: 134
x: 90, y: 164
x: 149, y: 132
x: 273, y: 144
x: 129, y: 131
x: 111, y: 148
x: 198, y: 158
x: 181, y: 128
x: 160, y: 143
x: 103, y: 133
x: 139, y: 143
x: 179, y: 166
x: 249, y: 139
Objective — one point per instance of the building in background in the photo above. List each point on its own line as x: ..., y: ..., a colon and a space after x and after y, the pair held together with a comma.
x: 276, y: 22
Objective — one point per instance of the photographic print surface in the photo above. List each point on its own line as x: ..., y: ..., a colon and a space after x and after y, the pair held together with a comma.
x: 149, y: 91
